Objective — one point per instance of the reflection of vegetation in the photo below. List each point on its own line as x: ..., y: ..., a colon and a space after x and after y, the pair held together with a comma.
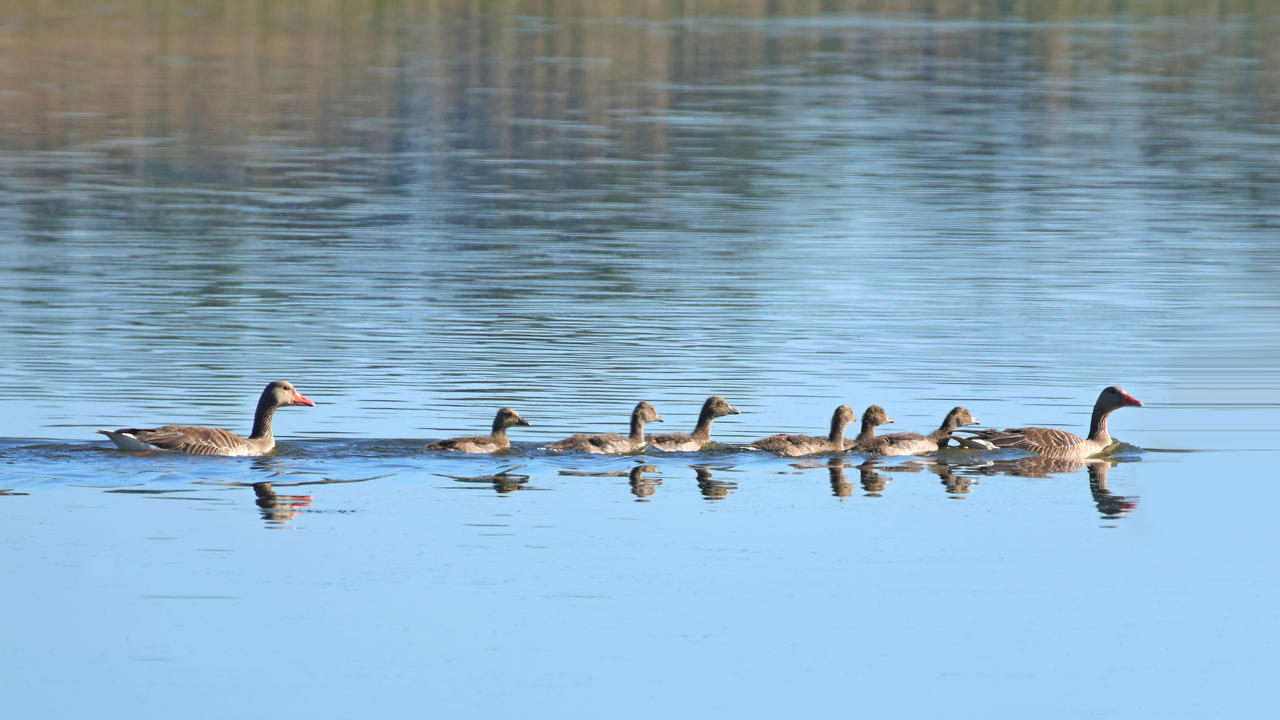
x: 486, y: 105
x: 450, y: 180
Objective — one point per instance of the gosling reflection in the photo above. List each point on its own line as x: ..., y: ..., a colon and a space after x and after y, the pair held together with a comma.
x: 840, y: 485
x: 955, y: 484
x: 710, y: 488
x: 873, y: 481
x: 504, y: 481
x: 641, y: 486
x: 278, y: 510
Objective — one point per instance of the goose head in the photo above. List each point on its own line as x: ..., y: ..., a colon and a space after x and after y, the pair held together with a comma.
x: 283, y: 393
x: 506, y: 418
x: 716, y: 406
x: 645, y: 412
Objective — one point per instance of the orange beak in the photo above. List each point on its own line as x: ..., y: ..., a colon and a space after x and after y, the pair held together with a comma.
x: 298, y: 399
x: 1131, y: 400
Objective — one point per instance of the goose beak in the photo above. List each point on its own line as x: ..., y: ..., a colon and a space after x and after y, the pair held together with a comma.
x: 657, y: 418
x: 298, y: 399
x: 1131, y: 400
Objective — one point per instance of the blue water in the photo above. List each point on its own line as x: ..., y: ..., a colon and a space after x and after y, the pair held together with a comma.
x: 420, y: 214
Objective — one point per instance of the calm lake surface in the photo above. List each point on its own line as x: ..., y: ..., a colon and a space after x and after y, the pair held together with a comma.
x: 419, y: 212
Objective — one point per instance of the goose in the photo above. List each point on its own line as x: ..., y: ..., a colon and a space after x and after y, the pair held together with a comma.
x: 1058, y: 444
x: 872, y: 417
x: 909, y: 443
x: 796, y: 445
x: 608, y: 443
x: 495, y: 441
x: 714, y: 407
x: 195, y: 440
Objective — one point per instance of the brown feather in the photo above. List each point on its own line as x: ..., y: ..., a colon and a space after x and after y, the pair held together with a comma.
x: 797, y: 445
x: 471, y: 444
x: 494, y: 442
x: 197, y: 440
x: 603, y: 443
x: 714, y: 407
x: 612, y: 443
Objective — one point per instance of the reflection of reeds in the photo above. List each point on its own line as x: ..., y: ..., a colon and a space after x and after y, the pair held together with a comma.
x: 245, y: 88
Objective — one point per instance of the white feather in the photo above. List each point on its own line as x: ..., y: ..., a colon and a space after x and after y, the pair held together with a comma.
x: 125, y: 441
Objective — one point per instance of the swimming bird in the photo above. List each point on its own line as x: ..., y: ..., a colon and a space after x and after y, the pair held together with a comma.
x: 714, y: 407
x: 195, y: 440
x: 495, y: 441
x: 872, y: 417
x: 909, y: 443
x: 605, y: 443
x: 796, y: 445
x: 1053, y: 443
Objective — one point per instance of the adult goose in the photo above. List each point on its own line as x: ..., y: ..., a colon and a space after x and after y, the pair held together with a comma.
x: 714, y: 407
x: 909, y: 443
x: 872, y: 417
x: 195, y: 440
x: 607, y: 443
x: 796, y: 445
x: 1058, y: 444
x: 495, y: 441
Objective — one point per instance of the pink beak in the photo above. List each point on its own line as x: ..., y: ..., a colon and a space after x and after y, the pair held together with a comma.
x: 1131, y: 400
x: 298, y: 399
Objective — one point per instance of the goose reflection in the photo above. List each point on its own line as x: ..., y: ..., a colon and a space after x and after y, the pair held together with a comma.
x: 504, y: 481
x: 840, y: 485
x: 873, y: 481
x: 1110, y: 505
x: 642, y: 487
x: 269, y: 464
x: 278, y: 510
x: 712, y: 489
x: 956, y: 484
